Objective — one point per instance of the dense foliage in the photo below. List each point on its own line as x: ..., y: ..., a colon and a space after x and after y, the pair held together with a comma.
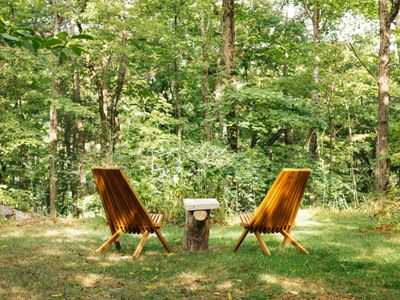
x: 146, y: 96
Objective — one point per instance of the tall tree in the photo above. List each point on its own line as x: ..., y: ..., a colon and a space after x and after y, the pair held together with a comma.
x: 53, y: 120
x: 204, y: 31
x: 313, y: 11
x: 382, y: 170
x: 228, y: 26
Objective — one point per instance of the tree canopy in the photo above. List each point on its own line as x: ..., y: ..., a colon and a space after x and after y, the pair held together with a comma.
x: 196, y: 99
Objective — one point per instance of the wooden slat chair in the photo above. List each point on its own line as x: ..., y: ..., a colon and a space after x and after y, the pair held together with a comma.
x: 125, y: 213
x: 277, y: 212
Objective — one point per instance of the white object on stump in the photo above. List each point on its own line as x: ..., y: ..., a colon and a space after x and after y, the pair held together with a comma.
x: 197, y: 225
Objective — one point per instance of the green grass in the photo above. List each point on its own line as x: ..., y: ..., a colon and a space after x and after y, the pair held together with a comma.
x: 348, y: 259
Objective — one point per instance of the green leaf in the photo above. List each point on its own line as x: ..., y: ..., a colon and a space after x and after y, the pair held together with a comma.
x: 28, y: 45
x: 35, y: 43
x: 53, y: 43
x: 62, y: 35
x: 63, y: 55
x: 3, y: 26
x: 76, y: 49
x: 9, y: 37
x: 82, y: 36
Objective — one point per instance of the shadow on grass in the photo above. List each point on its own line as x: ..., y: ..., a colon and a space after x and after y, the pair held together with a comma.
x: 345, y: 261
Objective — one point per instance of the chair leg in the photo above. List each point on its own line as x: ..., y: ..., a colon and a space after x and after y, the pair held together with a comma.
x: 293, y: 241
x: 286, y: 240
x: 112, y: 239
x: 163, y: 241
x: 117, y: 245
x: 240, y: 240
x: 140, y: 245
x: 262, y: 243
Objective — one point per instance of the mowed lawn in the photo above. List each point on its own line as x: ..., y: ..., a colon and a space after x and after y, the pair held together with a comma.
x: 348, y: 259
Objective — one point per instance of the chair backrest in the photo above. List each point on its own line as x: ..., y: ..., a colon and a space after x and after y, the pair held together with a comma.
x: 279, y: 208
x: 120, y: 201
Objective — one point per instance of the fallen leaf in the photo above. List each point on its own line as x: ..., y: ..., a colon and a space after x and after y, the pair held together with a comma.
x: 151, y: 287
x: 57, y: 295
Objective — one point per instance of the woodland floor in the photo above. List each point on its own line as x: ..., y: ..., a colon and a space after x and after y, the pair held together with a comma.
x: 349, y: 259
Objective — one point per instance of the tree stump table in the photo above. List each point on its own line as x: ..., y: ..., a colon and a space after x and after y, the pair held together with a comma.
x: 197, y: 225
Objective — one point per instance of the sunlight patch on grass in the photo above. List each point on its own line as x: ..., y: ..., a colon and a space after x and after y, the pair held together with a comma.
x: 11, y: 234
x: 16, y: 292
x: 384, y: 251
x: 90, y: 280
x: 307, y: 217
x: 225, y: 286
x: 192, y: 280
x: 292, y: 285
x: 51, y: 252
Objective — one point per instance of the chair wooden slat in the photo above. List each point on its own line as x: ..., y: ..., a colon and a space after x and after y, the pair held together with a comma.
x: 278, y: 211
x: 124, y: 210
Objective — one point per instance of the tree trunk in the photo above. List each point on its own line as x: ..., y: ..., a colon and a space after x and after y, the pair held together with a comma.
x: 102, y: 92
x: 53, y: 125
x: 196, y: 232
x: 312, y: 146
x: 103, y: 106
x: 114, y: 125
x: 178, y: 108
x: 229, y: 58
x: 352, y: 163
x: 382, y: 170
x: 176, y: 93
x: 79, y: 145
x: 205, y: 83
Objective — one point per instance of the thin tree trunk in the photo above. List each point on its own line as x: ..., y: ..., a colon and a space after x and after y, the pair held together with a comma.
x: 53, y: 124
x: 382, y: 170
x: 205, y: 83
x: 102, y: 91
x: 77, y: 187
x: 103, y: 105
x: 396, y: 41
x: 178, y: 108
x: 352, y: 167
x: 312, y: 147
x: 23, y: 183
x: 114, y: 121
x: 177, y: 100
x: 230, y: 76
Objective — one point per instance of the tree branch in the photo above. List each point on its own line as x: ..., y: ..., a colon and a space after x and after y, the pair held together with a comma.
x: 394, y: 11
x: 306, y: 9
x: 362, y: 63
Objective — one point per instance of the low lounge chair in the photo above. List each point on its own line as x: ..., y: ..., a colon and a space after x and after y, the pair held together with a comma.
x: 125, y: 213
x: 278, y: 211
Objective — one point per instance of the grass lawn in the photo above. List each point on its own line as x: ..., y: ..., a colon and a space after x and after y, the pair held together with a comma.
x: 348, y: 259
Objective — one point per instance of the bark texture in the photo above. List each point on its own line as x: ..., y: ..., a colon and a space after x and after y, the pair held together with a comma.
x: 315, y: 18
x: 382, y: 170
x: 53, y: 126
x: 196, y: 233
x: 206, y: 72
x: 230, y: 76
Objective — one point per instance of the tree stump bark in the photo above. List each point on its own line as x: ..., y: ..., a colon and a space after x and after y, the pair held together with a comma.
x: 197, y: 230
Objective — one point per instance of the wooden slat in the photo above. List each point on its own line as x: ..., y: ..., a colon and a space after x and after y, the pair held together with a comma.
x: 262, y: 243
x: 240, y: 240
x: 114, y: 237
x: 294, y: 242
x: 140, y: 245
